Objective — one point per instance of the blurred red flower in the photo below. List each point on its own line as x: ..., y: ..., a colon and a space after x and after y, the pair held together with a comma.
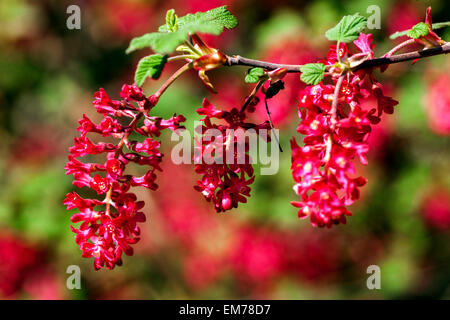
x: 312, y: 256
x: 17, y: 261
x: 438, y: 105
x: 127, y: 18
x: 403, y: 16
x: 202, y: 269
x: 436, y: 210
x: 257, y: 256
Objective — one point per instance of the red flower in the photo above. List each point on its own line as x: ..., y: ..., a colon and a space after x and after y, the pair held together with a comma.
x: 364, y: 44
x: 114, y: 167
x: 105, y: 105
x: 332, y: 54
x: 99, y: 184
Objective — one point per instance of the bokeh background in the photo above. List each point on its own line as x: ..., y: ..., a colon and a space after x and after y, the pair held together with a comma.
x: 48, y: 75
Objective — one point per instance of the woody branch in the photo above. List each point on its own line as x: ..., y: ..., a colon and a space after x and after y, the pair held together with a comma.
x: 444, y: 49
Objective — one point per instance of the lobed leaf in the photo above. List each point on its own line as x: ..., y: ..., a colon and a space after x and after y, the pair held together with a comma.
x: 159, y: 42
x: 176, y: 30
x: 312, y: 73
x: 347, y: 29
x: 213, y: 22
x: 253, y: 75
x: 149, y: 66
x: 434, y: 26
x: 419, y: 30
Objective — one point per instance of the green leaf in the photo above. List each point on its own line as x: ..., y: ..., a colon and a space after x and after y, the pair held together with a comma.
x: 434, y: 26
x: 185, y: 49
x: 347, y: 29
x: 159, y: 42
x: 149, y: 66
x: 312, y: 73
x: 419, y: 30
x: 213, y: 22
x: 171, y: 20
x: 165, y: 41
x: 253, y: 75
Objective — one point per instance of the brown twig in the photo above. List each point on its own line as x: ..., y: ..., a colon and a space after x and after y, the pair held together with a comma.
x: 444, y: 49
x: 242, y: 61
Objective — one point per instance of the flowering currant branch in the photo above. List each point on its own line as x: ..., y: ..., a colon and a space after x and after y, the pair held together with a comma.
x: 337, y: 111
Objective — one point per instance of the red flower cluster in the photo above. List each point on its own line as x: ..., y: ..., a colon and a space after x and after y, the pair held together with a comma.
x: 336, y: 129
x: 224, y: 172
x: 109, y: 226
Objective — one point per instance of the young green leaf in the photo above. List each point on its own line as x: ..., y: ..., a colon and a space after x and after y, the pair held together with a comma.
x: 185, y: 49
x: 166, y: 41
x: 213, y: 22
x: 159, y: 42
x: 434, y: 26
x: 312, y: 73
x: 149, y: 66
x: 419, y: 30
x: 253, y: 75
x: 171, y: 20
x: 347, y: 29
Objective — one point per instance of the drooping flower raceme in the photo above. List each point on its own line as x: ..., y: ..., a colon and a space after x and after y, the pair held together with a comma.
x: 221, y: 156
x: 336, y: 129
x: 109, y: 226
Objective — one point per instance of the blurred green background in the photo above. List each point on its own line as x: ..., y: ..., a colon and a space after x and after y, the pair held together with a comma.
x: 48, y: 75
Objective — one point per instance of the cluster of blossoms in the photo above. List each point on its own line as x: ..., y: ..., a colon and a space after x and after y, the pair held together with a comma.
x: 109, y: 226
x: 336, y: 128
x: 336, y: 114
x: 221, y: 156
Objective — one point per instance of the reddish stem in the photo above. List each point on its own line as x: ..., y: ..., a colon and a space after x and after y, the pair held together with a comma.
x: 400, y: 46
